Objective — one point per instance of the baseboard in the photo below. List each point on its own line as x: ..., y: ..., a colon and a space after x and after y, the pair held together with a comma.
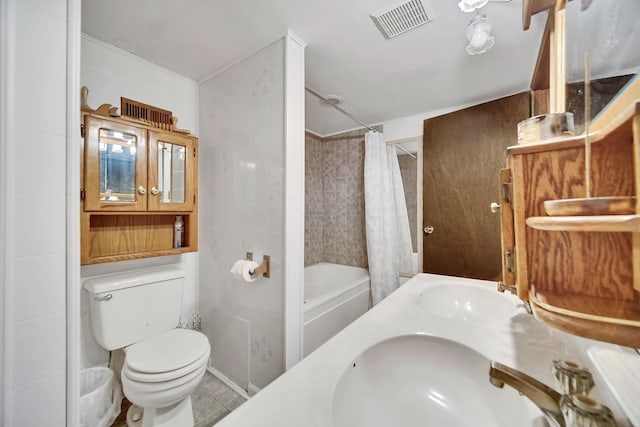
x: 235, y: 387
x: 253, y: 389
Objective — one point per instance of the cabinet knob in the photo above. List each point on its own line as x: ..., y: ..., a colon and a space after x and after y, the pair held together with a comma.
x: 154, y: 191
x: 494, y: 207
x: 428, y: 229
x: 142, y: 190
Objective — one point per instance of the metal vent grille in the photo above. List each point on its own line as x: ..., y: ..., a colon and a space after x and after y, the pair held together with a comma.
x: 145, y: 112
x: 402, y: 17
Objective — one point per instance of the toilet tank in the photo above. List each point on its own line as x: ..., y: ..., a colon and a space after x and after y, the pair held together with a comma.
x: 129, y: 307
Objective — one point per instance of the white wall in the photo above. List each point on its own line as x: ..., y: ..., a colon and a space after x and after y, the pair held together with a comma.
x: 110, y: 73
x: 242, y: 209
x: 413, y: 126
x: 33, y: 200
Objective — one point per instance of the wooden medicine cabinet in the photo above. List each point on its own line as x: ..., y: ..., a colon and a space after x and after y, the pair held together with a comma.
x: 137, y: 178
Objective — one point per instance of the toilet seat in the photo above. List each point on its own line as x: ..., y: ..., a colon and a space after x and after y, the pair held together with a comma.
x: 145, y: 377
x: 166, y: 357
x: 165, y: 369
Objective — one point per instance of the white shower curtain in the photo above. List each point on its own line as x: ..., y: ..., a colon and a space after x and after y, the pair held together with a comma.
x: 388, y: 248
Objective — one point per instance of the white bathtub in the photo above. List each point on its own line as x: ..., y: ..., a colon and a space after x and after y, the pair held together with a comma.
x: 334, y: 296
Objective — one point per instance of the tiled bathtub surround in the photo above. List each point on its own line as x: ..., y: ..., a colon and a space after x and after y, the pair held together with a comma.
x: 334, y: 217
x: 314, y: 208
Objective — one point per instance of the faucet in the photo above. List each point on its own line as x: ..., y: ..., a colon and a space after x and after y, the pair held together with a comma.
x: 510, y: 288
x: 546, y: 398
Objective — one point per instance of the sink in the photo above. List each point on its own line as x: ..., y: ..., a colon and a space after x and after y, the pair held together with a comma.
x: 421, y: 380
x: 470, y: 303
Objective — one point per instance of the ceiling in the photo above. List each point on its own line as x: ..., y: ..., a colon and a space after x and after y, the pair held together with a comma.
x: 425, y: 69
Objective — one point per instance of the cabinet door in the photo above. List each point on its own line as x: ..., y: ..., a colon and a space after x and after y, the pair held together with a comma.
x: 115, y: 172
x: 172, y: 172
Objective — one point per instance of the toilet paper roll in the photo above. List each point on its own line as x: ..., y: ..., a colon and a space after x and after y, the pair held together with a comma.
x: 242, y: 270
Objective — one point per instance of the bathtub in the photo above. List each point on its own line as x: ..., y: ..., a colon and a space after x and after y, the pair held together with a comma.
x: 334, y: 296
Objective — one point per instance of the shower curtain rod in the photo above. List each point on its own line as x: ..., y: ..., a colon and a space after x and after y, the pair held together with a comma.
x: 354, y: 118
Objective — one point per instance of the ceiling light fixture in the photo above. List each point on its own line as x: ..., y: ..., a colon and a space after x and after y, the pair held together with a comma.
x: 479, y: 35
x: 468, y: 6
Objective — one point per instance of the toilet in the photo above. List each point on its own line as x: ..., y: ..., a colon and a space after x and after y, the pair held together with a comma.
x: 138, y: 311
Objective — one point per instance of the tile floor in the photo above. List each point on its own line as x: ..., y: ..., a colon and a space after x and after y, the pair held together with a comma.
x: 212, y: 401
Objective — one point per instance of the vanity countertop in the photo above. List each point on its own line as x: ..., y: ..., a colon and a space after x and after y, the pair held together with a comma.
x: 303, y: 395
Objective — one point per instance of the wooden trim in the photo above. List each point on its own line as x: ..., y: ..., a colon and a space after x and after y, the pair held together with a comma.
x: 140, y: 110
x: 507, y: 234
x: 541, y: 72
x: 190, y: 171
x: 557, y: 66
x: 635, y: 253
x: 532, y: 7
x: 519, y: 226
x: 92, y: 200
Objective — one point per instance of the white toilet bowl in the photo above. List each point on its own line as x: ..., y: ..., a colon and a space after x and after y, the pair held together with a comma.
x: 138, y: 312
x: 160, y: 373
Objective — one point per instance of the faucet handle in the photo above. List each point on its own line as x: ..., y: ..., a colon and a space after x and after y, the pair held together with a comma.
x: 571, y: 378
x: 579, y: 410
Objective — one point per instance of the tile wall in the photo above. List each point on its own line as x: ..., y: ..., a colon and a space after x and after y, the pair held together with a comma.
x: 242, y: 209
x: 35, y: 331
x: 313, y: 201
x: 334, y: 217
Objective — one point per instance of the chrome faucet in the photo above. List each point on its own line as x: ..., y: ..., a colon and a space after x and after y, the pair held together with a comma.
x: 546, y: 398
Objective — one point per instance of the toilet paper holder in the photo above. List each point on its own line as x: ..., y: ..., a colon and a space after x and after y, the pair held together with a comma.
x: 263, y: 268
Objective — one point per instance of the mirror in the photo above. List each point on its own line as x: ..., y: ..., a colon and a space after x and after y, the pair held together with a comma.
x: 607, y: 30
x: 117, y: 166
x: 408, y: 159
x: 171, y: 167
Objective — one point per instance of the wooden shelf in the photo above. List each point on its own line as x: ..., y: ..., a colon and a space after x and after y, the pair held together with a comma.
x: 601, y: 223
x: 109, y: 237
x: 605, y: 319
x: 614, y: 205
x: 137, y: 255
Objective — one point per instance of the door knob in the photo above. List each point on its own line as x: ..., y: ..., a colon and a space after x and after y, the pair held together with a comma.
x: 428, y: 229
x: 494, y: 207
x: 142, y: 190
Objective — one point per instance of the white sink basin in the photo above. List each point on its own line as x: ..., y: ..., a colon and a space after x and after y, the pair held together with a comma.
x: 420, y: 380
x: 471, y: 303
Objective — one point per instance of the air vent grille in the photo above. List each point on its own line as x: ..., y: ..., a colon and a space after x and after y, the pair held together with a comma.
x: 402, y: 17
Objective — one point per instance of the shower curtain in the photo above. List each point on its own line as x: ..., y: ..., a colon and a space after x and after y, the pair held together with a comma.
x: 387, y: 224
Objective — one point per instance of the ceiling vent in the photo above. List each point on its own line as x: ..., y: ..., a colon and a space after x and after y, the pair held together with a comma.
x: 402, y: 17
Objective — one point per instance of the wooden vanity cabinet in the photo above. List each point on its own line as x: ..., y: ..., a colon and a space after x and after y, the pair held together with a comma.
x: 136, y: 180
x: 580, y: 274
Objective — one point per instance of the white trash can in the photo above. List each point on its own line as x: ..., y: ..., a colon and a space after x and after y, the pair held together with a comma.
x: 100, y: 397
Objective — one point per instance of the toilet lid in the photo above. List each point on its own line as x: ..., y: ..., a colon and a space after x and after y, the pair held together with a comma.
x: 167, y: 352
